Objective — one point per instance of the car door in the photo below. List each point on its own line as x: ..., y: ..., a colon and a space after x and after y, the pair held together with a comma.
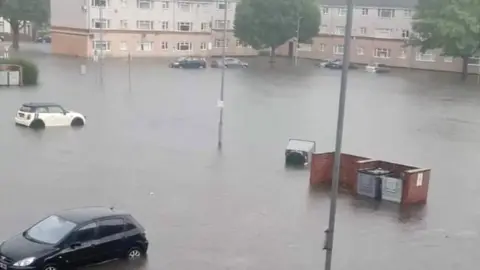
x: 80, y: 248
x: 111, y: 238
x: 57, y: 116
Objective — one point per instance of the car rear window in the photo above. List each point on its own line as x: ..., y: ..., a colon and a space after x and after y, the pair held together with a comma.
x: 27, y: 109
x: 132, y: 222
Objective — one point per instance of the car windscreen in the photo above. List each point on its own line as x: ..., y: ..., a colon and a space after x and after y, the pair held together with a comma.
x: 50, y: 230
x: 27, y: 109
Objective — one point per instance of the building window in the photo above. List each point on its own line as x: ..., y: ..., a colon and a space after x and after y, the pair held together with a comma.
x: 184, y: 26
x: 123, y: 3
x: 123, y: 24
x: 342, y: 11
x: 338, y: 49
x: 145, y: 25
x: 340, y: 30
x: 219, y: 43
x: 100, y: 23
x: 383, y: 32
x: 165, y: 5
x: 447, y: 59
x: 100, y: 3
x: 164, y: 25
x: 321, y: 47
x: 145, y: 46
x: 145, y: 4
x: 184, y: 6
x: 403, y: 54
x: 2, y: 26
x: 101, y: 45
x: 405, y: 33
x: 305, y: 47
x: 360, y: 51
x: 425, y: 57
x: 363, y: 30
x: 364, y: 11
x: 184, y: 46
x: 238, y: 43
x: 382, y: 53
x: 221, y: 5
x: 203, y: 46
x: 407, y: 13
x: 323, y: 28
x: 220, y: 24
x: 123, y: 46
x: 164, y: 45
x: 325, y: 10
x: 205, y: 26
x: 386, y: 13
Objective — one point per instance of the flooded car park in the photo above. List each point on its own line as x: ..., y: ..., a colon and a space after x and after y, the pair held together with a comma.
x: 151, y: 150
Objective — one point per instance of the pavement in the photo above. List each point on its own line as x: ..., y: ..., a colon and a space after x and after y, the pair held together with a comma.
x: 151, y: 149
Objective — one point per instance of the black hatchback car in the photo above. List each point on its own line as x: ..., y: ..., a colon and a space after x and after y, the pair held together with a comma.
x: 189, y: 62
x: 74, y: 238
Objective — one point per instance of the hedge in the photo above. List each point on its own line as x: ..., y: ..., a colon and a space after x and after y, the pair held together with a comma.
x: 29, y: 69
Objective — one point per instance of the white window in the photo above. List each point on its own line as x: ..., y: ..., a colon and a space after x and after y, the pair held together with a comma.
x: 405, y: 33
x: 203, y: 46
x: 305, y: 47
x: 145, y: 25
x: 425, y: 57
x: 219, y: 43
x: 447, y: 59
x: 383, y: 32
x: 100, y: 23
x: 145, y: 46
x: 184, y: 26
x: 220, y: 24
x: 321, y: 47
x: 184, y: 46
x: 382, y: 53
x: 386, y: 13
x: 340, y: 30
x: 364, y: 11
x: 325, y: 10
x: 165, y: 4
x: 164, y: 25
x: 205, y: 26
x: 100, y: 3
x: 360, y: 51
x: 338, y: 49
x: 184, y: 6
x: 221, y: 4
x: 323, y: 28
x: 101, y: 45
x: 145, y: 4
x: 363, y: 30
x: 123, y: 46
x: 342, y: 11
x: 403, y: 54
x: 123, y: 3
x: 407, y: 13
x: 164, y: 45
x: 238, y: 43
x: 123, y: 24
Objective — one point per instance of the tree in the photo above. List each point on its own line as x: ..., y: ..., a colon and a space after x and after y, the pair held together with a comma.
x: 270, y: 23
x: 19, y: 12
x: 452, y: 26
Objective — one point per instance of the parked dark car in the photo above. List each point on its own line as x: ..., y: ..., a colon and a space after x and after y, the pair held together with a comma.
x: 324, y: 62
x: 44, y: 39
x: 338, y: 65
x: 189, y: 62
x: 229, y: 63
x: 74, y: 238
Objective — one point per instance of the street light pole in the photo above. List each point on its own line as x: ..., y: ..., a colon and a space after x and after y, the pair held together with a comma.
x: 101, y: 6
x: 297, y: 40
x: 338, y: 145
x: 222, y: 84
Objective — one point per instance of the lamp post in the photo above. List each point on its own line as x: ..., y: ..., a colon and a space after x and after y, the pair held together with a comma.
x: 297, y: 40
x: 222, y: 83
x: 339, y: 134
x: 102, y: 42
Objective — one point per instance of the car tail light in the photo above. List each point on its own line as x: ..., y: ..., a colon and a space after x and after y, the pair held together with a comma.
x: 28, y: 116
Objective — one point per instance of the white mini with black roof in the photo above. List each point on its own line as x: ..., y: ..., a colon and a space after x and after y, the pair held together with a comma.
x: 41, y: 114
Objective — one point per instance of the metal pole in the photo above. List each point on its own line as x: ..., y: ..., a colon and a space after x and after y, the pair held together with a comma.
x: 222, y: 85
x: 129, y: 72
x: 101, y: 6
x: 338, y: 145
x: 297, y: 41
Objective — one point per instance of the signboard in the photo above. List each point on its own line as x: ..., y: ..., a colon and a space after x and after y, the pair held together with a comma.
x: 419, y: 179
x: 14, y: 77
x: 4, y: 78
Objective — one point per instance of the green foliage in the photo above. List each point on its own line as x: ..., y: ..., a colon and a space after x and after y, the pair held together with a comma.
x: 452, y: 26
x: 26, y: 10
x: 29, y: 69
x: 270, y: 23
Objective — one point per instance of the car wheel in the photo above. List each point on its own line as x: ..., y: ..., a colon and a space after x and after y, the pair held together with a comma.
x: 77, y: 122
x: 134, y: 253
x: 37, y: 124
x: 50, y: 267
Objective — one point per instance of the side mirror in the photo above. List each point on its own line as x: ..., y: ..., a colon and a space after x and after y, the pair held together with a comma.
x: 75, y: 245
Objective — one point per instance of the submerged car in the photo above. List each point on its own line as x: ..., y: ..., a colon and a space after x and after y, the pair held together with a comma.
x: 75, y: 238
x: 299, y: 153
x: 377, y: 68
x: 339, y: 65
x: 229, y: 63
x: 189, y: 62
x: 323, y: 63
x: 40, y: 115
x: 44, y: 39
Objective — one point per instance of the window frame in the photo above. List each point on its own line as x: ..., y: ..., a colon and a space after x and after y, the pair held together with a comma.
x: 99, y: 226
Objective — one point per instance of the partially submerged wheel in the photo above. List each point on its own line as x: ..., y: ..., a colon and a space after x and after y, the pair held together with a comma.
x: 50, y: 267
x: 295, y: 158
x: 37, y: 124
x: 77, y: 122
x: 134, y: 253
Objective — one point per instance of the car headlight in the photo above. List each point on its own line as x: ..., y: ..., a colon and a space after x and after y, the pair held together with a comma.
x: 25, y: 262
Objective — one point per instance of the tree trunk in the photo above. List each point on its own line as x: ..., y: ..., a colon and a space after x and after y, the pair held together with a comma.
x: 272, y: 54
x: 15, y: 25
x: 465, y: 67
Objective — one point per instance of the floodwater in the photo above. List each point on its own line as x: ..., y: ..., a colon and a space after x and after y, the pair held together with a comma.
x: 151, y: 149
